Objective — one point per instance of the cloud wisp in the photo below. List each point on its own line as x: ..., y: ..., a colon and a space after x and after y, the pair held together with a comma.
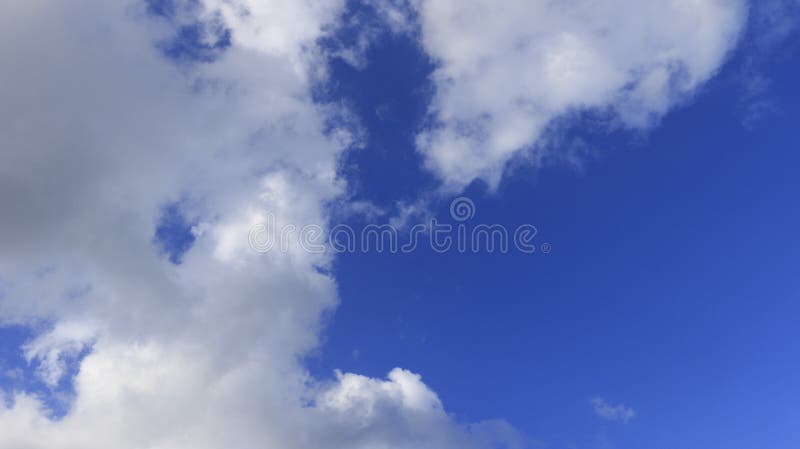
x: 620, y: 413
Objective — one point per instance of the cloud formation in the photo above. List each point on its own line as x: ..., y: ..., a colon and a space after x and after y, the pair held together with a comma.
x: 618, y: 413
x: 99, y: 132
x: 507, y: 69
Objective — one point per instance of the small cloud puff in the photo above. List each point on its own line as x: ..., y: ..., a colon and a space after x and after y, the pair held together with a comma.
x: 619, y: 413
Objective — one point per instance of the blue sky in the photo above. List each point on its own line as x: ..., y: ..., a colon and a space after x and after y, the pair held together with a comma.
x: 671, y: 290
x: 672, y: 286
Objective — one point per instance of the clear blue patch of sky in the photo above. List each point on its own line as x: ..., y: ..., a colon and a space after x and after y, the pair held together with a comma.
x: 390, y: 97
x: 173, y: 234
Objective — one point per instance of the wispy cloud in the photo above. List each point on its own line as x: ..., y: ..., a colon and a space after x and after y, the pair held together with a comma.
x: 619, y: 413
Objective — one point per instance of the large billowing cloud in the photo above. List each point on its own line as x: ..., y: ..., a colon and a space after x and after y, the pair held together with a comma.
x: 507, y: 69
x: 98, y: 132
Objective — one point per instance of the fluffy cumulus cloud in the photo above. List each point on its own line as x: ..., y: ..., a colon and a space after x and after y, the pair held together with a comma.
x: 107, y: 118
x: 507, y: 69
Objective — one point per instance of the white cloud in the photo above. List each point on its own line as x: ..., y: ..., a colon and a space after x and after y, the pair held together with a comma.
x: 97, y: 133
x: 618, y: 413
x: 507, y: 69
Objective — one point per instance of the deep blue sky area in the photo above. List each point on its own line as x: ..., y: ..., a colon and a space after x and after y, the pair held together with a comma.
x: 672, y: 285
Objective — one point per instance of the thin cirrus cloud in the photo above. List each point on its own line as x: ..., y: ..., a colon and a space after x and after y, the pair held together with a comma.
x: 99, y: 131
